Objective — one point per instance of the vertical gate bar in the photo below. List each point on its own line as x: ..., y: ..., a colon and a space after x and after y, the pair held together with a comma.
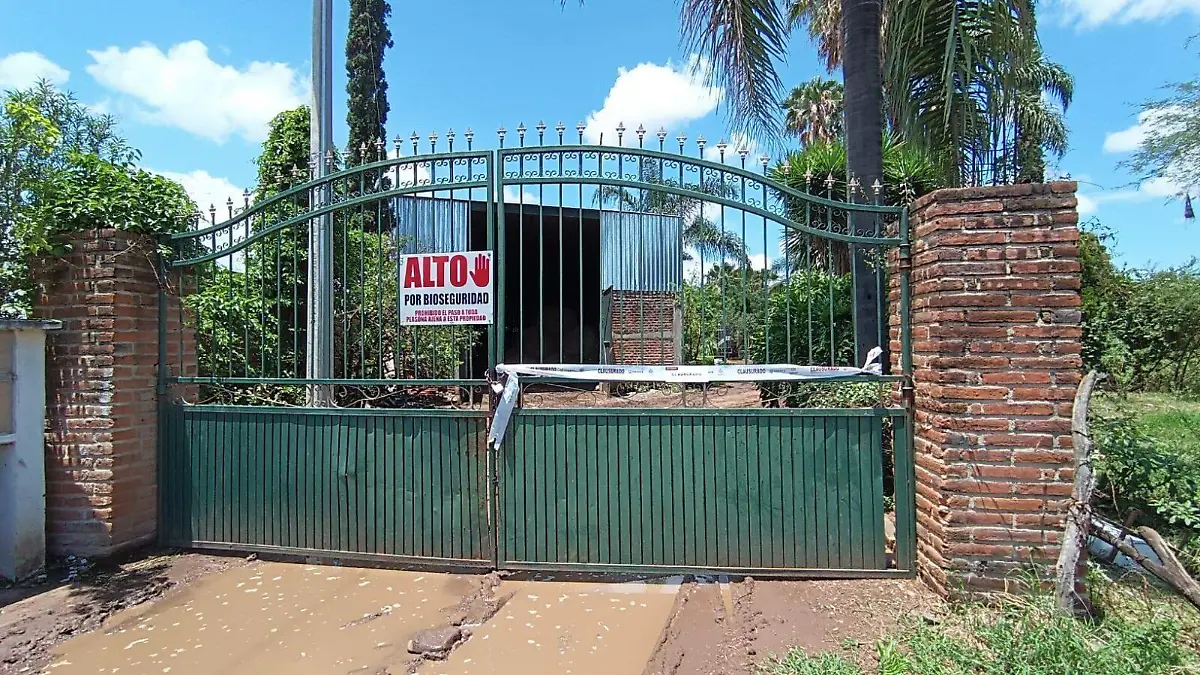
x: 521, y: 264
x: 495, y: 242
x: 766, y: 288
x: 600, y: 341
x: 379, y: 235
x: 562, y: 289
x: 541, y: 265
x: 904, y: 480
x: 746, y: 271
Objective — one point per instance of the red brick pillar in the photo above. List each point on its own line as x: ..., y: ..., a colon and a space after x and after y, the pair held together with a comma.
x: 102, y: 368
x: 996, y: 357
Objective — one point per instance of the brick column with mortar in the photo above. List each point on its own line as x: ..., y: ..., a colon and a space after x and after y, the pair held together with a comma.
x: 102, y: 372
x: 996, y: 358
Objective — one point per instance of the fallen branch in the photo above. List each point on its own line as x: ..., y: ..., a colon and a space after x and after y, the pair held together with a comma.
x: 1080, y: 513
x: 1170, y: 571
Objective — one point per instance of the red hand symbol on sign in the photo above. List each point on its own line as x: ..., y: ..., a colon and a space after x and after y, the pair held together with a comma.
x: 482, y: 271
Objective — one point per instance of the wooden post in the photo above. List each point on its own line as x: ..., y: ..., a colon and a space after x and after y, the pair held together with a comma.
x: 1079, y: 515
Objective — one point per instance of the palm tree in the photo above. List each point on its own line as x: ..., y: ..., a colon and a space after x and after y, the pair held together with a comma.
x: 861, y: 72
x: 1045, y: 94
x: 814, y: 111
x: 957, y: 76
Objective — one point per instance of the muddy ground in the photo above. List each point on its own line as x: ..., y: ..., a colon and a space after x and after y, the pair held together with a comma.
x: 196, y: 613
x: 74, y: 598
x: 738, y: 627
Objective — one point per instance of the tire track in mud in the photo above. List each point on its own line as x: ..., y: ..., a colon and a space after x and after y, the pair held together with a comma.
x: 710, y: 631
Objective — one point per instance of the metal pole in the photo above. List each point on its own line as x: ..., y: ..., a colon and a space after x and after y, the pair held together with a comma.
x: 319, y: 355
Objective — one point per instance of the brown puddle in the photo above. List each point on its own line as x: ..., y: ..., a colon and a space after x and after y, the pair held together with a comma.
x: 271, y: 618
x: 566, y: 628
x: 301, y: 619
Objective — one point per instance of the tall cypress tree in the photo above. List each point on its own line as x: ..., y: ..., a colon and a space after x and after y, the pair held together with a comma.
x: 367, y: 108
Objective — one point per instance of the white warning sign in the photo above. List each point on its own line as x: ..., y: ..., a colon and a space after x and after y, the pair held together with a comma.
x: 446, y: 288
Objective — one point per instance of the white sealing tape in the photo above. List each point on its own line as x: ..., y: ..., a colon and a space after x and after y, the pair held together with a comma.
x: 685, y: 374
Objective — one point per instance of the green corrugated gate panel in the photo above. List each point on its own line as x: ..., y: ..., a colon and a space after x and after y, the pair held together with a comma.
x: 671, y: 489
x: 386, y: 483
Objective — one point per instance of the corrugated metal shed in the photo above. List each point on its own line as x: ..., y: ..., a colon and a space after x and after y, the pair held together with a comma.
x: 432, y: 225
x: 640, y: 251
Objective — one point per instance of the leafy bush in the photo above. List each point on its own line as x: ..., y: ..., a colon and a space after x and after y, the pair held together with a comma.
x: 1160, y: 476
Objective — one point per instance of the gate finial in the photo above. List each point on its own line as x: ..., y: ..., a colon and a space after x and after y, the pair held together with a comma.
x: 450, y: 139
x: 470, y: 136
x: 581, y: 127
x: 433, y: 136
x: 396, y: 143
x: 541, y: 129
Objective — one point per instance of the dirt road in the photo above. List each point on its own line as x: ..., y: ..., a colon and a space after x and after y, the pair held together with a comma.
x: 203, y: 615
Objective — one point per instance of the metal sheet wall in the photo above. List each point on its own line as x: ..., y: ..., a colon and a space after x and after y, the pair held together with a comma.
x: 640, y: 251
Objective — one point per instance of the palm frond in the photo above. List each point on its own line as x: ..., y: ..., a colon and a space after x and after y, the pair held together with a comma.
x: 740, y: 42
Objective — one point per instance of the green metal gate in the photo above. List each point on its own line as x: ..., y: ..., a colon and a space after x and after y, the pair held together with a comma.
x: 604, y: 255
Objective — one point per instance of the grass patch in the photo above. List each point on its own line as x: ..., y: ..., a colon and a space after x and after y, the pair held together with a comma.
x: 1141, y: 632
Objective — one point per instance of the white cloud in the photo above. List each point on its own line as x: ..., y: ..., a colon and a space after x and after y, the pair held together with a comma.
x: 206, y: 190
x: 1155, y: 188
x: 22, y: 69
x: 654, y: 96
x: 1092, y: 13
x: 1129, y: 140
x: 185, y: 88
x: 512, y: 196
x: 1087, y: 205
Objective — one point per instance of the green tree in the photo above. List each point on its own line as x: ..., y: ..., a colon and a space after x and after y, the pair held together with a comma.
x: 1170, y: 151
x: 284, y: 158
x: 41, y: 131
x: 368, y: 36
x: 813, y: 112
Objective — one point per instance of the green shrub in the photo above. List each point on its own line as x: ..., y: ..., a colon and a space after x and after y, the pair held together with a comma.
x: 1156, y: 473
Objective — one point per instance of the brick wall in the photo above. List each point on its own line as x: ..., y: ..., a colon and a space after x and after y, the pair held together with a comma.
x: 644, y: 330
x: 101, y: 381
x: 996, y: 357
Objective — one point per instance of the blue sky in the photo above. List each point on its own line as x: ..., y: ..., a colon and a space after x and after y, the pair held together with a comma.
x: 194, y: 83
